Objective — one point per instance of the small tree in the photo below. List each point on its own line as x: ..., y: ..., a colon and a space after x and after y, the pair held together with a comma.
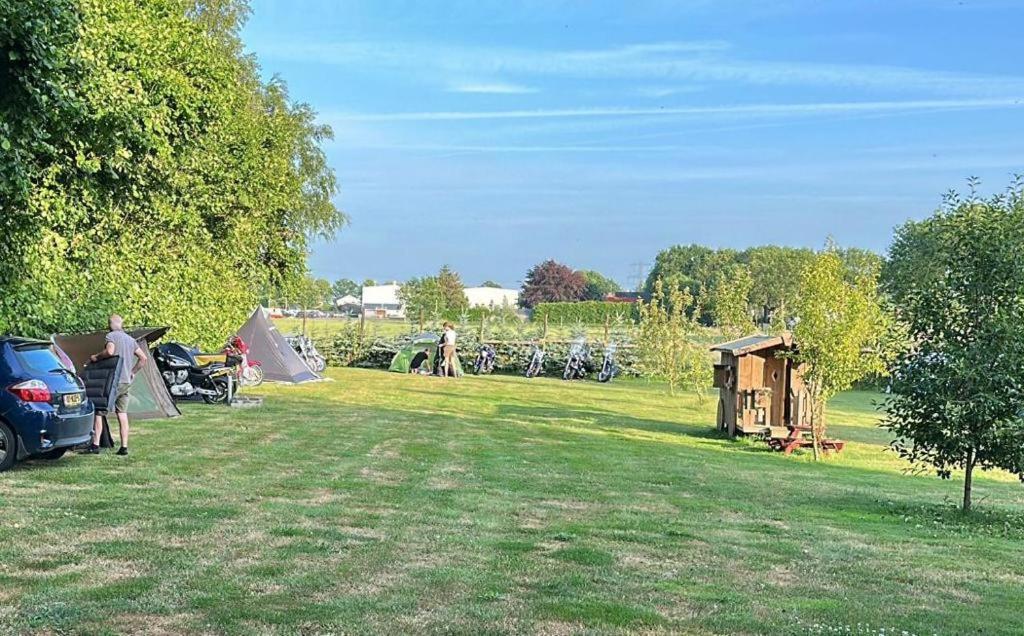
x: 597, y: 285
x: 958, y: 392
x: 839, y: 334
x: 666, y: 344
x: 491, y: 284
x: 452, y: 290
x: 551, y: 282
x: 729, y: 294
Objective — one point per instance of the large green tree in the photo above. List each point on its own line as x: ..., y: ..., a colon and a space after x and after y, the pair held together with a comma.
x: 775, y: 273
x: 147, y: 169
x: 957, y: 281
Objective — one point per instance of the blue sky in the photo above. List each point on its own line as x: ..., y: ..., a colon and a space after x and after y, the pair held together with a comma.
x: 492, y: 135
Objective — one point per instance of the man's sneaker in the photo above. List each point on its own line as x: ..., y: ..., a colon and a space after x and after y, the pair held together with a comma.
x: 93, y: 449
x: 123, y: 450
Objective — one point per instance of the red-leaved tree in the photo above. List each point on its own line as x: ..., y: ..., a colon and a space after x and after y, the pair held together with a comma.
x: 551, y: 282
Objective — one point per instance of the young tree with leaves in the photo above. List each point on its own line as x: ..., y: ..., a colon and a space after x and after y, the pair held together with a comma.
x: 598, y: 286
x: 666, y: 342
x: 728, y: 299
x: 840, y: 332
x: 957, y: 280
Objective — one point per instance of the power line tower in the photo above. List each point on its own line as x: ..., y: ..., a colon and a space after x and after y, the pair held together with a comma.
x: 638, y: 275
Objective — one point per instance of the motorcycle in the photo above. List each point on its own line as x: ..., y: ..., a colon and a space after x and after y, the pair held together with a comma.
x: 576, y: 363
x: 609, y: 369
x: 485, y: 359
x: 536, y: 365
x: 185, y: 377
x: 248, y: 372
x: 307, y: 351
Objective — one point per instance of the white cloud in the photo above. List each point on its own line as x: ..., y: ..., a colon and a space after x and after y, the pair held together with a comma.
x: 697, y: 61
x: 494, y: 88
x: 754, y: 110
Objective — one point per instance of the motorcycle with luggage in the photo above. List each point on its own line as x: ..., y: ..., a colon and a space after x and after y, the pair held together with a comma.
x: 186, y: 377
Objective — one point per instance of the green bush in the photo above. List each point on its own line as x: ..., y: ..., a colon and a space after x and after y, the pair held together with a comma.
x: 589, y: 312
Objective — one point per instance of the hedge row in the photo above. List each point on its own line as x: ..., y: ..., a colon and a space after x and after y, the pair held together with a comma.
x: 348, y: 349
x: 590, y: 312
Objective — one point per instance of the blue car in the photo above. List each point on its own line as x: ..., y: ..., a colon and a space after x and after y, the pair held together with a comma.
x: 43, y: 407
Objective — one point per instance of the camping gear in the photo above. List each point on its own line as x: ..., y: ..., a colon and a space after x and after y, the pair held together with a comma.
x: 278, y: 360
x: 536, y: 364
x: 99, y: 378
x: 485, y: 359
x: 576, y: 363
x: 609, y: 369
x: 186, y: 377
x: 402, y: 361
x: 148, y: 398
x: 428, y: 341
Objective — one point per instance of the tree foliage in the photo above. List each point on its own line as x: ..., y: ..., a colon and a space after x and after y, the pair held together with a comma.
x: 666, y: 343
x: 958, y: 282
x: 433, y: 297
x: 771, y: 282
x: 147, y: 169
x: 840, y: 333
x: 551, y: 282
x: 597, y: 285
x: 346, y: 287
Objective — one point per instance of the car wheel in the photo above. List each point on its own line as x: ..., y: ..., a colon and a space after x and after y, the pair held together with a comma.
x: 56, y: 453
x: 8, y: 447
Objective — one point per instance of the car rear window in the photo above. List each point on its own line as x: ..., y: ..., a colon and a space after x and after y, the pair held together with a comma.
x: 37, y: 358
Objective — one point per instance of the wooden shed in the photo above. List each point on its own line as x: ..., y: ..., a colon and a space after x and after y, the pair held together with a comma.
x: 759, y: 390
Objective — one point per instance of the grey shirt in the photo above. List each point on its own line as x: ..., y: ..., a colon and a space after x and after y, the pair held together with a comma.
x: 124, y: 346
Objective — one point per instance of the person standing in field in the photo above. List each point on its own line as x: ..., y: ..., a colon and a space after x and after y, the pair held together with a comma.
x: 448, y: 349
x: 131, y: 357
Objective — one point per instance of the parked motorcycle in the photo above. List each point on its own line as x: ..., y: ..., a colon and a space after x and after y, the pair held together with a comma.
x: 248, y: 372
x: 185, y: 377
x: 576, y: 363
x: 609, y: 368
x: 485, y: 359
x: 536, y: 365
x: 307, y: 351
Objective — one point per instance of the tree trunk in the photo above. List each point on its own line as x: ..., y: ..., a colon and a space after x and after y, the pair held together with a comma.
x: 968, y: 478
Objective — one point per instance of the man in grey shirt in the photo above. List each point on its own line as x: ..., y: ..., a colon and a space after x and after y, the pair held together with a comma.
x: 131, y: 357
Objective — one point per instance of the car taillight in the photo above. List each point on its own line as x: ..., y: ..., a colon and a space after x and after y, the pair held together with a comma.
x: 31, y: 391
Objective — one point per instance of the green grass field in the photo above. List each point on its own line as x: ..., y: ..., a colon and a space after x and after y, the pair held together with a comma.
x: 382, y: 503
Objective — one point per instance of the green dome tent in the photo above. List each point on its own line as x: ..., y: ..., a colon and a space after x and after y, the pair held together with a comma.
x: 426, y: 340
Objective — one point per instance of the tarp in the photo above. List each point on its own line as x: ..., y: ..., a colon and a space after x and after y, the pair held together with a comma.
x: 427, y: 340
x: 279, y: 361
x: 148, y: 398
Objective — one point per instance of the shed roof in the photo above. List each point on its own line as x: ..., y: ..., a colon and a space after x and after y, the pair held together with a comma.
x: 754, y: 343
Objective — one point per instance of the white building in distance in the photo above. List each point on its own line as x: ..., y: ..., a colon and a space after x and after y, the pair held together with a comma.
x: 381, y: 301
x: 492, y: 297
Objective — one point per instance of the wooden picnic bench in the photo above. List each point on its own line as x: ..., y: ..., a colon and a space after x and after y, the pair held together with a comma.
x: 789, y: 438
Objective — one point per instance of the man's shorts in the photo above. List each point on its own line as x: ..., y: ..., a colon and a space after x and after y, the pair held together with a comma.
x: 121, y: 399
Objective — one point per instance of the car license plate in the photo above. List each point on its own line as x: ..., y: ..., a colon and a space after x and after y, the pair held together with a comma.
x: 72, y: 399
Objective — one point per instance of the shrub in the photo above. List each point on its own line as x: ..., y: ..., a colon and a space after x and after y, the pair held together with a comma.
x: 590, y: 312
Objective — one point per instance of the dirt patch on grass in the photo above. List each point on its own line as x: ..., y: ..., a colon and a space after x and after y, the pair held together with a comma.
x: 150, y: 624
x: 388, y: 449
x: 569, y: 504
x: 380, y: 476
